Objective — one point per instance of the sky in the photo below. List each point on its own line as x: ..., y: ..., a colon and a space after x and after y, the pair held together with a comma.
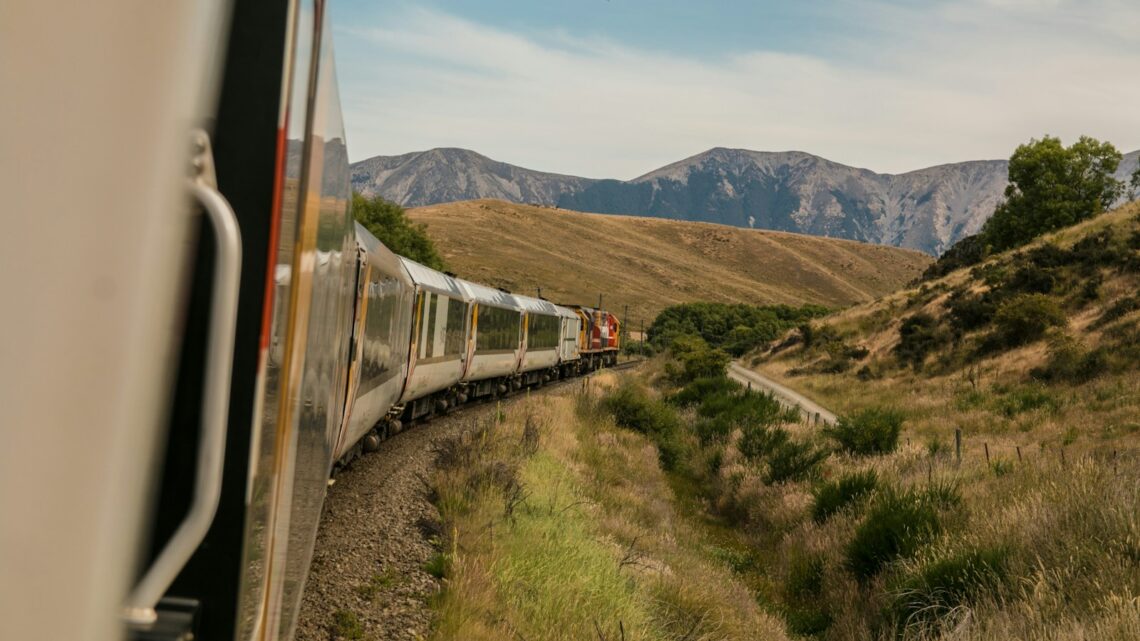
x: 618, y: 88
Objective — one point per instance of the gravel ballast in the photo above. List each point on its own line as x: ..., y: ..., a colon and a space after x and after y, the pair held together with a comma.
x: 374, y: 539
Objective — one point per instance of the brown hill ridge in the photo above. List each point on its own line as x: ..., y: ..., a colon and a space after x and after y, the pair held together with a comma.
x: 650, y: 263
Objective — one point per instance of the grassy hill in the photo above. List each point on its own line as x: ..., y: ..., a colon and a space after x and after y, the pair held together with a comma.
x: 1032, y: 358
x: 650, y: 264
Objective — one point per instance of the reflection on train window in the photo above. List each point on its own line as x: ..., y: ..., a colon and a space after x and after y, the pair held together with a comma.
x: 456, y: 326
x: 542, y: 331
x: 497, y: 329
x: 378, y: 363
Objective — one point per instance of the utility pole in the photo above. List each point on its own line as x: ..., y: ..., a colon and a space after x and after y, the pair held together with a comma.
x: 599, y: 301
x: 625, y: 329
x: 539, y: 288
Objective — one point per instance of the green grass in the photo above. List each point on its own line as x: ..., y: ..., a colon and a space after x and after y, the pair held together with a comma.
x: 346, y: 625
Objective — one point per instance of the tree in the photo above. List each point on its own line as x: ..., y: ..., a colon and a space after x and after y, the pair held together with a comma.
x: 1052, y: 186
x: 390, y: 225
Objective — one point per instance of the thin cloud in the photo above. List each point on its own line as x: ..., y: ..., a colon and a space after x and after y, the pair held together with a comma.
x: 970, y: 80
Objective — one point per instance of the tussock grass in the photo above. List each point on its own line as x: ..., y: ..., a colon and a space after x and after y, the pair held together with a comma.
x: 1035, y: 534
x: 596, y: 549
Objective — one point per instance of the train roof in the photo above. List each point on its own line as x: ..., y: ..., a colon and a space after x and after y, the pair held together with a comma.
x: 537, y: 305
x: 485, y: 295
x: 565, y: 312
x: 379, y: 256
x: 437, y: 281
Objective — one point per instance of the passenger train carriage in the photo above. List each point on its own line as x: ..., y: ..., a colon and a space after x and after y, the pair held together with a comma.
x: 232, y: 334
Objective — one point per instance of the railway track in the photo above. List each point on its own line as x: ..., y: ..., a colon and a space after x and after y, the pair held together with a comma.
x: 375, y: 533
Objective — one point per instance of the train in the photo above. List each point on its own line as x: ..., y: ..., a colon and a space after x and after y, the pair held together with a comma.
x: 425, y: 342
x: 196, y: 331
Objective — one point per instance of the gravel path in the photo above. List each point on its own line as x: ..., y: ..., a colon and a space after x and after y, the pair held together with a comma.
x: 785, y: 395
x: 373, y: 540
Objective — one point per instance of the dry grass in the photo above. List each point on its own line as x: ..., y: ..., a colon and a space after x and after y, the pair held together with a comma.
x: 650, y: 263
x: 597, y: 550
x: 1058, y: 491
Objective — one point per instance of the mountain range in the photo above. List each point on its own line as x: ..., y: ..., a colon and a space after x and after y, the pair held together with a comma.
x: 927, y: 209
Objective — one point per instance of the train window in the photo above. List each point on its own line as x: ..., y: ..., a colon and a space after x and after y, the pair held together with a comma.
x: 456, y: 326
x: 542, y: 331
x: 498, y: 329
x: 378, y: 363
x: 427, y: 348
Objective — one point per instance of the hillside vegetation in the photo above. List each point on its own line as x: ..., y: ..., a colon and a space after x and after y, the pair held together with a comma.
x: 1031, y: 357
x: 650, y: 264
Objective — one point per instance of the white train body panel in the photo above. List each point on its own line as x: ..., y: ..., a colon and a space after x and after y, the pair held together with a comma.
x: 571, y: 328
x: 542, y: 335
x: 495, y: 345
x: 438, y: 354
x: 385, y: 294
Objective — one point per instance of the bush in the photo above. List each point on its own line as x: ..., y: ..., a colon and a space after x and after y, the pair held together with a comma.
x: 968, y: 251
x: 833, y: 496
x: 699, y: 389
x: 896, y: 526
x: 1068, y: 362
x: 388, y: 223
x: 970, y: 311
x: 697, y: 360
x: 930, y: 592
x: 793, y: 461
x: 1025, y: 318
x: 758, y: 441
x: 634, y: 410
x: 874, y: 430
x: 918, y: 336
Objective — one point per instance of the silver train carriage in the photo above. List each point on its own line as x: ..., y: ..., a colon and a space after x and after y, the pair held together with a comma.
x: 380, y: 343
x: 440, y: 334
x: 496, y: 346
x: 542, y: 336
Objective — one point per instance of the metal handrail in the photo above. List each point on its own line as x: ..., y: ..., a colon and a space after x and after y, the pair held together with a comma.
x: 140, y: 605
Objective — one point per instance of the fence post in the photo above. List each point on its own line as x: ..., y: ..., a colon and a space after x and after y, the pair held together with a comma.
x: 817, y: 419
x: 987, y: 447
x: 1018, y: 453
x: 958, y: 445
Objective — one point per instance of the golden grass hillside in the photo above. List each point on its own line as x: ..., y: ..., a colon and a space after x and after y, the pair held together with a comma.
x: 650, y: 263
x: 1032, y: 357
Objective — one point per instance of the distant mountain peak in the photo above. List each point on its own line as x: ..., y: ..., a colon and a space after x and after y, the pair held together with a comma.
x: 927, y: 209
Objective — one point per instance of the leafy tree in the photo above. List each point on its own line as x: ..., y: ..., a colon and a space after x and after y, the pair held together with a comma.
x: 736, y: 328
x: 1053, y: 186
x: 390, y: 225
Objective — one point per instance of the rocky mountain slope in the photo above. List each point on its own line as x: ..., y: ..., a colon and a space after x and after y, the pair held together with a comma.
x: 928, y: 209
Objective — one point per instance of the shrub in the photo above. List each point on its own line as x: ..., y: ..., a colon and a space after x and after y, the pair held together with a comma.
x: 1120, y: 308
x: 968, y: 251
x: 793, y: 461
x: 634, y: 410
x: 918, y: 336
x: 1025, y: 318
x: 833, y: 496
x: 697, y: 360
x: 388, y: 222
x: 1068, y: 362
x: 897, y: 524
x: 938, y: 587
x: 874, y: 430
x: 970, y: 311
x: 757, y: 441
x: 699, y: 389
